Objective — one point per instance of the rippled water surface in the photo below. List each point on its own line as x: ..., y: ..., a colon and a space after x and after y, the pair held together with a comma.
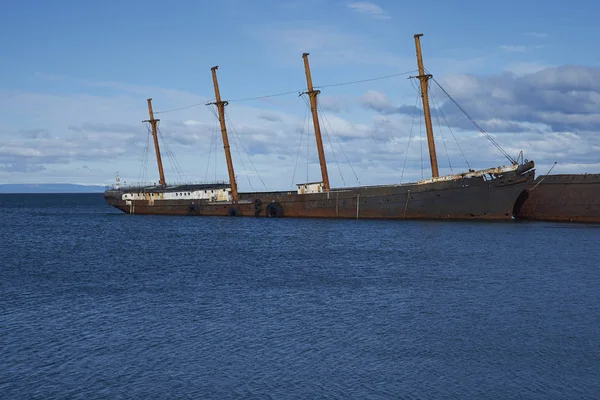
x: 98, y: 304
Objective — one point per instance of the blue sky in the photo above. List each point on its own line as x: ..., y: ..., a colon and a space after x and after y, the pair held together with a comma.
x: 74, y: 76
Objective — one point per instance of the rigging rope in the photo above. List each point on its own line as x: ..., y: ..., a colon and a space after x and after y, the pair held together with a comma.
x: 265, y: 96
x: 144, y: 163
x: 483, y: 131
x: 435, y: 109
x: 421, y: 142
x: 547, y: 173
x: 299, y: 146
x: 212, y: 138
x: 291, y: 91
x: 452, y: 133
x: 409, y: 137
x: 331, y: 145
x: 307, y: 141
x: 171, y: 156
x: 178, y: 109
x: 237, y: 149
x: 342, y: 149
x: 365, y: 80
x: 245, y: 151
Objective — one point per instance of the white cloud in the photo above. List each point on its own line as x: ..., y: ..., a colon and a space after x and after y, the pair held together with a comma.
x: 370, y: 9
x: 524, y: 68
x: 376, y: 100
x: 551, y: 114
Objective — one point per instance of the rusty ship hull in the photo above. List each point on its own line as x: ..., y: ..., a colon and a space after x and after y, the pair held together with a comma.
x: 565, y: 197
x: 477, y: 197
x: 488, y: 194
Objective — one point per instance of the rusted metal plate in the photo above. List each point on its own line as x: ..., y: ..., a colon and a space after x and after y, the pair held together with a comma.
x: 467, y: 198
x: 567, y: 197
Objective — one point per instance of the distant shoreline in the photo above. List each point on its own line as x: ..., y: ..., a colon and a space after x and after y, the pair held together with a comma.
x: 49, y: 188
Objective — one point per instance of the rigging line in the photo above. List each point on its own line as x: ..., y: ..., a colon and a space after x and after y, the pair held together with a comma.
x: 212, y: 111
x: 178, y: 109
x: 299, y: 146
x: 435, y: 109
x: 265, y: 96
x: 215, y: 138
x: 308, y: 141
x: 165, y: 148
x: 409, y: 137
x: 144, y: 161
x: 421, y: 142
x: 171, y: 156
x: 341, y: 148
x: 146, y: 155
x: 365, y: 80
x: 483, y: 131
x: 245, y: 151
x: 173, y: 159
x: 547, y: 173
x: 168, y: 154
x: 212, y: 138
x: 237, y: 148
x: 452, y: 133
x: 331, y: 145
x: 412, y: 83
x: 217, y: 155
x: 291, y: 91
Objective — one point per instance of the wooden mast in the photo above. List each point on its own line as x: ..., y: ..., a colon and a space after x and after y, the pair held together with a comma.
x: 312, y: 94
x: 424, y: 78
x: 153, y: 124
x: 221, y: 108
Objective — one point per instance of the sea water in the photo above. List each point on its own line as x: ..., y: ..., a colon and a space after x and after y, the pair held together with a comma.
x: 98, y: 304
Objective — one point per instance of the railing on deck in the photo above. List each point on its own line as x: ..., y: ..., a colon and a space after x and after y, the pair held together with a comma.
x: 153, y: 185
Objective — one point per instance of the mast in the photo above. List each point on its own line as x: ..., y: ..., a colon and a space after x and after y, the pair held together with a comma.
x: 153, y: 124
x: 312, y: 94
x: 425, y: 97
x: 221, y: 108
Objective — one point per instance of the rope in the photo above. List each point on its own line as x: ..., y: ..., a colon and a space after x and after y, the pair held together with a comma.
x: 178, y: 109
x: 299, y: 147
x: 487, y: 135
x: 452, y: 133
x: 266, y: 96
x: 307, y: 141
x: 421, y: 142
x: 237, y: 149
x: 291, y: 91
x: 547, y: 173
x: 144, y: 162
x: 331, y: 145
x: 409, y: 137
x: 341, y: 148
x: 171, y: 156
x: 245, y: 151
x: 365, y: 80
x: 435, y: 108
x: 212, y: 138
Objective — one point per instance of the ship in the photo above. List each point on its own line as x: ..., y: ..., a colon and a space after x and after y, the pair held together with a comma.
x: 561, y: 197
x: 487, y: 194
